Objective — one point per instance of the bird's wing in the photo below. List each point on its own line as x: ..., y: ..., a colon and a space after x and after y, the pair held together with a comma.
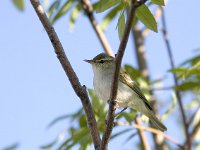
x: 126, y: 79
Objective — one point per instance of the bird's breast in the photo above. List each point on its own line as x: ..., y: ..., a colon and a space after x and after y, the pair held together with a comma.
x: 102, y: 86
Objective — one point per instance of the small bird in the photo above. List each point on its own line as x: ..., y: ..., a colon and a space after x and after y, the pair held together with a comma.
x: 128, y: 94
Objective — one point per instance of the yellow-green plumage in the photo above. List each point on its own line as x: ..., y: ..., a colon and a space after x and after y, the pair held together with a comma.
x: 128, y: 94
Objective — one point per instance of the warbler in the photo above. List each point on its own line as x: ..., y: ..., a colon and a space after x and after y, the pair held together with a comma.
x: 128, y: 93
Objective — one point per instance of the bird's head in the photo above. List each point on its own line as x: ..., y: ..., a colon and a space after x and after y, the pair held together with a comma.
x: 102, y: 62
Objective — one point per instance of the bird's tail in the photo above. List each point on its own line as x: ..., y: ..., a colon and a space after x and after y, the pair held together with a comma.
x: 157, y: 122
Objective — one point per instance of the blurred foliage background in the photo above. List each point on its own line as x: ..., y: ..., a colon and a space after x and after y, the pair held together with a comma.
x: 187, y: 75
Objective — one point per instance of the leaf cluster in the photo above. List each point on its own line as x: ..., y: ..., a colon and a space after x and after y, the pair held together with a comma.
x: 114, y: 8
x: 189, y: 75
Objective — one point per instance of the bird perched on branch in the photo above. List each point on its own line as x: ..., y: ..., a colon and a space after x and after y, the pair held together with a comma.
x: 128, y: 93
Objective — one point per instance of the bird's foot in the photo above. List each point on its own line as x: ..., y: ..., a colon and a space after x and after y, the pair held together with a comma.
x: 114, y: 102
x: 106, y: 122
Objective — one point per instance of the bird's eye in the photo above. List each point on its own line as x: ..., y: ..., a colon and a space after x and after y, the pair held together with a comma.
x: 101, y: 61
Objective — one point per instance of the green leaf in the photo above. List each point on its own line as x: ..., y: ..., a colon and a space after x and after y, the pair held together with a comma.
x: 54, y: 6
x: 64, y: 145
x: 191, y: 61
x: 158, y: 2
x: 181, y: 72
x: 79, y: 135
x: 129, y: 117
x: 64, y: 117
x: 157, y: 81
x: 75, y: 138
x: 130, y: 137
x: 189, y: 85
x: 120, y: 133
x: 85, y: 143
x: 50, y: 145
x: 19, y: 4
x: 83, y: 121
x: 194, y: 69
x: 178, y: 70
x: 12, y: 147
x: 146, y: 17
x: 121, y: 25
x: 135, y: 21
x: 98, y: 105
x: 134, y: 73
x: 171, y: 107
x: 58, y: 119
x: 103, y: 5
x: 109, y: 17
x: 63, y: 10
x: 77, y: 114
x: 74, y: 15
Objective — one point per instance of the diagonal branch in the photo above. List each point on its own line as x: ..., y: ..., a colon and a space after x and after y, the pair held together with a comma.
x: 79, y: 90
x: 144, y: 142
x: 152, y: 130
x: 178, y: 95
x: 196, y: 128
x: 102, y: 38
x: 113, y: 93
x: 195, y: 131
x: 193, y: 116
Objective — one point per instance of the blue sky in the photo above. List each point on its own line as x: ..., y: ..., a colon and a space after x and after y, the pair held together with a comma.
x: 34, y: 88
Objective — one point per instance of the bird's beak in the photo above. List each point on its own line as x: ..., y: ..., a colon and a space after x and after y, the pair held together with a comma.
x: 89, y: 61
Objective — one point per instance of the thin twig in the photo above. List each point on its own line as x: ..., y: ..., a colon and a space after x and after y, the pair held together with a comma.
x: 102, y: 38
x: 113, y: 93
x: 152, y: 130
x: 195, y: 131
x: 79, y: 90
x: 178, y: 95
x: 143, y: 138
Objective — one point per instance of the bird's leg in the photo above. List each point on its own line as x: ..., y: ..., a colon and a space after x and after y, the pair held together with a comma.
x: 115, y: 101
x: 116, y: 115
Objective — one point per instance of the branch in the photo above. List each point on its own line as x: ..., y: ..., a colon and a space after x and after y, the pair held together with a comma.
x: 143, y: 138
x: 193, y: 116
x: 152, y: 130
x: 196, y: 127
x: 89, y: 12
x: 79, y: 90
x: 113, y: 93
x: 195, y: 131
x: 140, y: 51
x: 139, y: 36
x: 178, y: 95
x: 142, y: 65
